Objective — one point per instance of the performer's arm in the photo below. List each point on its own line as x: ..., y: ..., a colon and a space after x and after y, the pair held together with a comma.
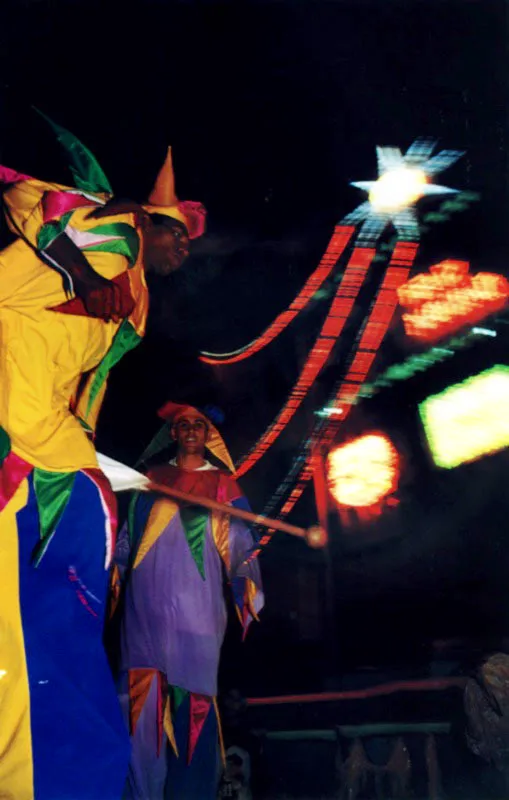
x: 244, y: 572
x: 102, y: 298
x: 24, y: 210
x: 242, y: 544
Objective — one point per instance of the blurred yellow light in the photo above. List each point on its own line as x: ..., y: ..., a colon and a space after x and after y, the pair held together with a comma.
x: 397, y: 189
x: 363, y: 472
x: 468, y: 420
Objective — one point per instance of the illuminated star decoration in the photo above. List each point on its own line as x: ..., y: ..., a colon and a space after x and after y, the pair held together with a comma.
x: 402, y: 181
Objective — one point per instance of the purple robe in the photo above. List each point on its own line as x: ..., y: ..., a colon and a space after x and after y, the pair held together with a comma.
x: 175, y: 614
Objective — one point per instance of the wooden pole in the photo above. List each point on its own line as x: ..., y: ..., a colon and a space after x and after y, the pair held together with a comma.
x: 315, y: 536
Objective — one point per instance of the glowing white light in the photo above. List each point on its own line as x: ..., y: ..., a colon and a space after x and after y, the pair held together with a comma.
x: 484, y: 331
x: 329, y: 412
x: 397, y: 188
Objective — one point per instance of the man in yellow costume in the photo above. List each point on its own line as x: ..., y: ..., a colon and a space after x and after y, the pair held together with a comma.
x: 73, y: 300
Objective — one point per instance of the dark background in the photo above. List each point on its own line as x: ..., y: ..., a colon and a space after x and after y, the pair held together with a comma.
x: 272, y: 108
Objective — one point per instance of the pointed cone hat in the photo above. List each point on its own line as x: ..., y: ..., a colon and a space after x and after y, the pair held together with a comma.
x: 163, y: 200
x: 170, y: 412
x: 163, y: 193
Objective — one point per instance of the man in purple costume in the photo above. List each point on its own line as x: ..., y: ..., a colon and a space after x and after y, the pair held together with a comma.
x: 172, y: 561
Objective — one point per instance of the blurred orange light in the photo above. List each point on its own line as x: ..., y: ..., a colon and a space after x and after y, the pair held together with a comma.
x: 439, y: 303
x: 364, y: 471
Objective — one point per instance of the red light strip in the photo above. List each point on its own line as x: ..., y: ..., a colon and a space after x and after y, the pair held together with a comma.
x: 380, y: 690
x: 341, y: 307
x: 371, y: 338
x: 340, y: 238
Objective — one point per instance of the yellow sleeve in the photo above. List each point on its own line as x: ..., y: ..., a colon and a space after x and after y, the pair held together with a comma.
x: 19, y: 267
x: 23, y: 203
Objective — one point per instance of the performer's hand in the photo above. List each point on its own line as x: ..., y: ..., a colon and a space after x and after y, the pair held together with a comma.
x: 103, y: 299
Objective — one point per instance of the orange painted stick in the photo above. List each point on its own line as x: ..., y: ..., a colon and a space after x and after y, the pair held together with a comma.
x: 315, y: 536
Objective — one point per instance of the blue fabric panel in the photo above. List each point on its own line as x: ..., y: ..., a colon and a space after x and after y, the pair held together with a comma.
x: 80, y: 743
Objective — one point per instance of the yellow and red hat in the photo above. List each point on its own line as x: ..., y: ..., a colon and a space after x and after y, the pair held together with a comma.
x: 163, y: 200
x: 171, y: 412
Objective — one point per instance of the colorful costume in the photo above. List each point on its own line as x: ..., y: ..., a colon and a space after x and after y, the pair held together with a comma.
x: 173, y: 560
x: 61, y: 730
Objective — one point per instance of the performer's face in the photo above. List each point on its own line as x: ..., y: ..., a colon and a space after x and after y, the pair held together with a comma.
x: 166, y: 247
x: 190, y: 432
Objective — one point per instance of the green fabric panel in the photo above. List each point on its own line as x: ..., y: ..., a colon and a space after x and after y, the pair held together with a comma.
x: 161, y: 441
x: 52, y: 492
x: 128, y: 245
x: 125, y: 339
x: 194, y: 521
x: 5, y: 445
x: 178, y: 695
x: 86, y: 171
x: 86, y: 427
x: 49, y: 232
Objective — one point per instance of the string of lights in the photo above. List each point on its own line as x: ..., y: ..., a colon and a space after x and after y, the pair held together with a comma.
x: 344, y: 395
x: 339, y: 240
x: 376, y: 327
x: 363, y: 354
x: 339, y: 312
x: 424, y: 361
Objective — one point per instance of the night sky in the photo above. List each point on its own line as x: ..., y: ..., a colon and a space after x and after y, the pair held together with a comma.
x: 272, y: 109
